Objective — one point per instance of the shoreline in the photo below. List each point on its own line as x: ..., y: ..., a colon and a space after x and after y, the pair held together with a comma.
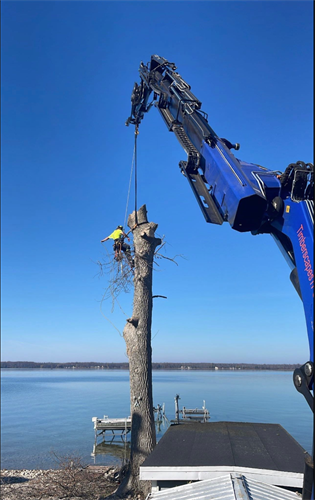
x: 92, y: 483
x: 160, y: 367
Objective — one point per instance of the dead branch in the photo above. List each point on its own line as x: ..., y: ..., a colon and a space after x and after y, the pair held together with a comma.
x: 159, y: 256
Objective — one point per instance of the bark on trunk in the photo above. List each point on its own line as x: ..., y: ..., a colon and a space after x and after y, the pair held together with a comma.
x: 137, y: 334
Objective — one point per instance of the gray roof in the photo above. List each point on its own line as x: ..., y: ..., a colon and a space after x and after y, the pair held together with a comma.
x: 202, y: 451
x: 234, y: 444
x: 229, y: 487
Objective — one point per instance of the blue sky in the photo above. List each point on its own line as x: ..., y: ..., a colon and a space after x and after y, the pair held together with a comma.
x: 68, y: 69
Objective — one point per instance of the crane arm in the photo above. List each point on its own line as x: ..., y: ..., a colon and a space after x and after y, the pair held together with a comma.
x: 246, y: 195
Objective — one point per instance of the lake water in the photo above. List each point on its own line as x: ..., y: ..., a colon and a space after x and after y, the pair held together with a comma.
x: 49, y: 411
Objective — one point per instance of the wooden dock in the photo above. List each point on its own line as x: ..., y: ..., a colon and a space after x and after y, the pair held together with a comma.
x: 194, y: 412
x: 101, y: 425
x: 123, y: 425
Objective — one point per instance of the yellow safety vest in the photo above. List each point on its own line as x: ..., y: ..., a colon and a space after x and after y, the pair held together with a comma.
x: 116, y: 234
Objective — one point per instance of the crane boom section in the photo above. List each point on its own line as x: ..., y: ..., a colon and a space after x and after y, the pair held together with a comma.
x: 248, y: 196
x: 233, y: 188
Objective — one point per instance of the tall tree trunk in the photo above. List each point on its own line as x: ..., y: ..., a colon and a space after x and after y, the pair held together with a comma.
x: 137, y: 334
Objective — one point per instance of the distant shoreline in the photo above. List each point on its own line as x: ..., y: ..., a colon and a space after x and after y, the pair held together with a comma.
x: 155, y: 366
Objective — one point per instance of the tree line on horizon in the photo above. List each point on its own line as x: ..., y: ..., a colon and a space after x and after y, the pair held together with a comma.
x: 155, y: 366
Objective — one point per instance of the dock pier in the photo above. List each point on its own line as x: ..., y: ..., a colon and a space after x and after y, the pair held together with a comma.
x: 101, y: 425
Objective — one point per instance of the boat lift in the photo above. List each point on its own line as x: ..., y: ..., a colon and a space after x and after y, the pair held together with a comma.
x: 195, y: 414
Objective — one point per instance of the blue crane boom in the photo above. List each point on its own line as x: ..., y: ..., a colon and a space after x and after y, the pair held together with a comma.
x: 251, y: 198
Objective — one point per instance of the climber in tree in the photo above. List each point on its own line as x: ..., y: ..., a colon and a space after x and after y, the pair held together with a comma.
x: 119, y: 244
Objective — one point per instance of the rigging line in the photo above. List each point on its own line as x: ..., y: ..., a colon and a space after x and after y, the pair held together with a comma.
x: 131, y: 172
x: 109, y: 320
x: 136, y: 174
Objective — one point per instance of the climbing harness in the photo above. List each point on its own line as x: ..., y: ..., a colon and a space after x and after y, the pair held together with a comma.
x: 122, y: 250
x: 118, y: 256
x: 117, y: 248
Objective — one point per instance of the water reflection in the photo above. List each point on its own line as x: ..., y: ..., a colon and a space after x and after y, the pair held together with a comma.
x: 161, y: 420
x: 117, y: 447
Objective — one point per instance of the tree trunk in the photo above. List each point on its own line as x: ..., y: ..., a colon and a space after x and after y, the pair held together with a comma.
x: 137, y: 334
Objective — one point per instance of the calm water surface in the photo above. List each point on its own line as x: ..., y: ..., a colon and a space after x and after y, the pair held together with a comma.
x: 50, y: 411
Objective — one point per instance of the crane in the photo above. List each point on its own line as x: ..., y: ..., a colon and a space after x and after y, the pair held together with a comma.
x: 250, y: 197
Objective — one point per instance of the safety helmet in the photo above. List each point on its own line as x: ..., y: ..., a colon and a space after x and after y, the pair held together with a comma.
x: 119, y: 227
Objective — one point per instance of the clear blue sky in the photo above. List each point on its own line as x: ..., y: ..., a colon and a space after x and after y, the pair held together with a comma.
x: 68, y: 69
